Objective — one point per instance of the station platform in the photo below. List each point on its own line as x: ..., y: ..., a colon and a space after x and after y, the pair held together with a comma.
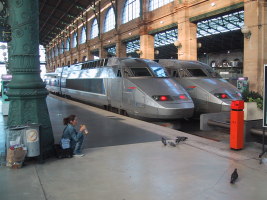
x: 126, y: 160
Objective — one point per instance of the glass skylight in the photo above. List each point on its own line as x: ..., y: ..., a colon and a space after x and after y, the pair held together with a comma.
x: 165, y: 38
x: 132, y: 46
x: 225, y: 23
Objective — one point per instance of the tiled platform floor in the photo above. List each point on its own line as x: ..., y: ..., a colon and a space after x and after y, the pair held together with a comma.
x: 197, y: 169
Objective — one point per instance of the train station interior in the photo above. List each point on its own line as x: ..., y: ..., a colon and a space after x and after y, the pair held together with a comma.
x: 132, y: 72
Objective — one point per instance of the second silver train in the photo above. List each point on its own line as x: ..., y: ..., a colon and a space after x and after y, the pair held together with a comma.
x: 209, y: 91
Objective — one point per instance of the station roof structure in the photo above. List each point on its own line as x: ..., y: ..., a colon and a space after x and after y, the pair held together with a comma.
x: 213, y: 34
x: 55, y: 16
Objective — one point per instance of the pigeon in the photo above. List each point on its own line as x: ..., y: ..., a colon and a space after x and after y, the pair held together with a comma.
x: 172, y: 144
x: 234, y: 176
x: 163, y: 140
x: 179, y: 139
x: 184, y: 138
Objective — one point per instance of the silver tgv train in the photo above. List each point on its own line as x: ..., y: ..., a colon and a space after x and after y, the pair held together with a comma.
x: 208, y: 90
x: 141, y: 88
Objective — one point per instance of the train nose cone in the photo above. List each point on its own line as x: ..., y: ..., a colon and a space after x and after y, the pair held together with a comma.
x: 172, y: 108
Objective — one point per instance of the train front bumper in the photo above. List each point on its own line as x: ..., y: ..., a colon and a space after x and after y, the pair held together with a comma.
x: 174, y: 111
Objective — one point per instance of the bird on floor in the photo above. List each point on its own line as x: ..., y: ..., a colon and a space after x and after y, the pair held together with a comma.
x: 180, y: 139
x: 163, y: 140
x: 172, y: 144
x: 234, y: 176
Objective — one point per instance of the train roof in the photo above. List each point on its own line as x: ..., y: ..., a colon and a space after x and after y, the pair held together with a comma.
x: 105, y: 67
x: 193, y: 67
x: 109, y: 62
x: 182, y: 63
x: 136, y: 62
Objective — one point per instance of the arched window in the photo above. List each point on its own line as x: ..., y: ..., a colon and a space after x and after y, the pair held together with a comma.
x: 94, y: 29
x: 52, y: 53
x: 56, y: 50
x: 74, y: 40
x: 131, y: 10
x: 62, y: 47
x: 154, y: 4
x: 68, y: 44
x: 83, y: 35
x: 109, y: 23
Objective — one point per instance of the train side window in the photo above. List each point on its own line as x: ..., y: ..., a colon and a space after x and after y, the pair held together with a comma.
x: 175, y: 74
x: 197, y: 72
x: 126, y: 73
x: 119, y: 73
x: 140, y: 71
x: 169, y: 70
x: 182, y: 73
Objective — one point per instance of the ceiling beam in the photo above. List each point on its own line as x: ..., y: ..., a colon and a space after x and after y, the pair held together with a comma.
x: 64, y: 15
x: 43, y: 5
x: 51, y: 14
x: 49, y: 6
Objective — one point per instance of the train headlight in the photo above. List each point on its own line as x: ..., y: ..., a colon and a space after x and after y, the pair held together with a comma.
x: 183, y: 97
x: 162, y: 98
x: 221, y: 96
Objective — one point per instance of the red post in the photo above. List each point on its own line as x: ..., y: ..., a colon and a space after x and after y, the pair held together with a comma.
x: 237, y: 125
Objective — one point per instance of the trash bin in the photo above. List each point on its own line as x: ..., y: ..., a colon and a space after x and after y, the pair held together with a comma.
x: 31, y: 140
x: 14, y: 136
x: 16, y: 150
x: 27, y: 136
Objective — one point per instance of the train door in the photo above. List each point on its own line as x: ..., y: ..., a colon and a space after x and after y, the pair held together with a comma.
x: 128, y: 90
x: 115, y: 86
x: 60, y: 82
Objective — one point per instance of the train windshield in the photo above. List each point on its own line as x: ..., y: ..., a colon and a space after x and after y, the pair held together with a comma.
x: 159, y: 71
x: 212, y: 73
x: 140, y: 71
x: 197, y: 72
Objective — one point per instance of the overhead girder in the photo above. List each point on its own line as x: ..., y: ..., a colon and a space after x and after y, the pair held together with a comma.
x: 52, y: 7
x: 51, y: 14
x: 44, y: 3
x: 64, y: 15
x: 74, y: 8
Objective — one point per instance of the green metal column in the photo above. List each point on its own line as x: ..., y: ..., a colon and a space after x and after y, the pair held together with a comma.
x: 27, y: 91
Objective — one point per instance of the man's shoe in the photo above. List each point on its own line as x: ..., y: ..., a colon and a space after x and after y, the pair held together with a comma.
x: 78, y: 155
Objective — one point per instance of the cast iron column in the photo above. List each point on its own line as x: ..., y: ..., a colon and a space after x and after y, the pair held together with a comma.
x: 27, y: 91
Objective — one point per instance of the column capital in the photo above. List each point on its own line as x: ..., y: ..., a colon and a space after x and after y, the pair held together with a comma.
x: 143, y: 30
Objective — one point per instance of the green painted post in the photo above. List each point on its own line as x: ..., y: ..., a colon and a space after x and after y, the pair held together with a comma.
x: 27, y: 91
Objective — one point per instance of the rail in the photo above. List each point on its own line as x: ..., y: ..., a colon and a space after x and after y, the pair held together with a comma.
x: 256, y: 131
x: 227, y: 125
x: 219, y: 124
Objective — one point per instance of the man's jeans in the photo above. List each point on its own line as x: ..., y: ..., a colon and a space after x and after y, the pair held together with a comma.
x: 78, y: 145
